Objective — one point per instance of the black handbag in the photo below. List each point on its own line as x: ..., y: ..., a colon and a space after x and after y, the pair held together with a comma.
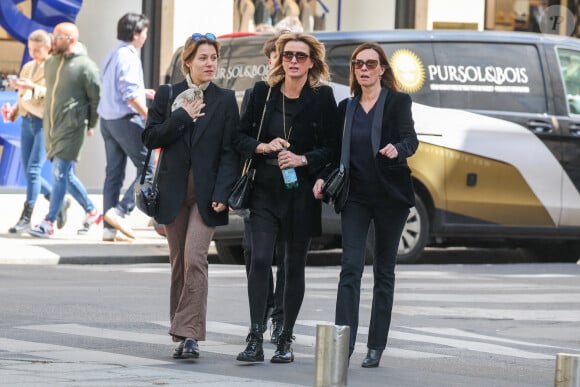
x: 147, y: 192
x: 239, y: 198
x: 333, y: 185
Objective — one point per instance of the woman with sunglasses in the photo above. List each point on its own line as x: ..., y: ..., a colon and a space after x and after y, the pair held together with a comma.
x: 378, y: 138
x: 290, y: 127
x: 196, y: 172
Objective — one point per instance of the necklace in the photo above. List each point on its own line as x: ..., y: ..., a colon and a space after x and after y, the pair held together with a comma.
x: 286, y: 136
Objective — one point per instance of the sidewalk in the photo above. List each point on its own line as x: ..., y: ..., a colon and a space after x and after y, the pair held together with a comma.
x: 66, y: 247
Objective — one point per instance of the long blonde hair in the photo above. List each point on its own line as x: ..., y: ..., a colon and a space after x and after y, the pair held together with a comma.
x: 318, y: 75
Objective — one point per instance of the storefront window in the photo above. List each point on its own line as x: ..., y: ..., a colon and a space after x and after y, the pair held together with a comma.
x: 515, y: 15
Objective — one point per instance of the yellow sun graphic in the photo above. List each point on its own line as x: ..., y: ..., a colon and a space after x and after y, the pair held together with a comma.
x: 408, y: 69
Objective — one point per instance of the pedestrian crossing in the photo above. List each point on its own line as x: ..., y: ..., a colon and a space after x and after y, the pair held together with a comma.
x: 304, y: 344
x: 440, y: 317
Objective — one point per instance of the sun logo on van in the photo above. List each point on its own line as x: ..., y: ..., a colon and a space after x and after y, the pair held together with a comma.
x: 408, y: 69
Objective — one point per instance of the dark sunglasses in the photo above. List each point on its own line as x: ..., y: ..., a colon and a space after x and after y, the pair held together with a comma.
x: 300, y: 56
x: 197, y: 36
x: 371, y: 64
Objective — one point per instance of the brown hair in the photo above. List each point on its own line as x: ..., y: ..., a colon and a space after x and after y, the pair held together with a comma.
x: 318, y: 75
x: 388, y: 78
x: 190, y: 49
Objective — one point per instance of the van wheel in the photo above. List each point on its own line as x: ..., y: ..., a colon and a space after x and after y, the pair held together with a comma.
x: 229, y: 253
x: 413, y: 239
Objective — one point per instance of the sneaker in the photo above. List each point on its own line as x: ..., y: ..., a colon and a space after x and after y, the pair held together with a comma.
x: 117, y: 219
x: 110, y: 235
x: 62, y: 216
x: 44, y: 230
x: 91, y: 218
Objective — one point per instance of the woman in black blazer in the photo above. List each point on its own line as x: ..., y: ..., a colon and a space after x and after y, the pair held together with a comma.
x: 197, y: 170
x: 378, y: 137
x: 298, y: 118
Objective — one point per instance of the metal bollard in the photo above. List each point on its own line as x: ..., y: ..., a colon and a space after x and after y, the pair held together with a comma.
x: 567, y: 370
x: 331, y: 355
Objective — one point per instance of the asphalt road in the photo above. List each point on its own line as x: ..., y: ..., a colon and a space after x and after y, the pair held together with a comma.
x: 453, y: 325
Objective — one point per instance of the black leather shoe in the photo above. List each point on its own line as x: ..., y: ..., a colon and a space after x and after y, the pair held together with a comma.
x: 276, y: 331
x: 373, y: 358
x: 284, y: 353
x: 190, y: 349
x: 178, y: 351
x: 254, y: 351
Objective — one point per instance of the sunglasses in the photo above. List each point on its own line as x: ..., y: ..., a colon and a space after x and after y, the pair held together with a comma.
x: 300, y: 56
x: 371, y: 64
x: 197, y: 36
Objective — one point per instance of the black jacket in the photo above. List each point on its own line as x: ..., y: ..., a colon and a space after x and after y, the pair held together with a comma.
x: 396, y: 126
x: 315, y: 134
x: 205, y: 146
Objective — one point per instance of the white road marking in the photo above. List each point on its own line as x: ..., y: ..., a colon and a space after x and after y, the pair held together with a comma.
x: 562, y: 315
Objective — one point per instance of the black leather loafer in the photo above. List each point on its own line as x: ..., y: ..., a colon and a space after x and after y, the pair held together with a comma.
x: 190, y: 349
x: 178, y: 351
x: 373, y: 358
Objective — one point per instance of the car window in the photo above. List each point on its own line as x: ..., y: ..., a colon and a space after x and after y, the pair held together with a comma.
x: 493, y: 77
x: 570, y: 68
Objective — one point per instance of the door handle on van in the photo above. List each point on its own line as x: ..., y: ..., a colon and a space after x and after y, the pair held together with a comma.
x: 574, y: 129
x: 540, y: 126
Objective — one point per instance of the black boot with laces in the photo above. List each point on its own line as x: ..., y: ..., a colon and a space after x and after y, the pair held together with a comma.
x: 284, y: 353
x: 254, y: 351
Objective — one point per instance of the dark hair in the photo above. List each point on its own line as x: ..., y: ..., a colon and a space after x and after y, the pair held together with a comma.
x: 387, y: 79
x: 130, y: 24
x: 270, y: 45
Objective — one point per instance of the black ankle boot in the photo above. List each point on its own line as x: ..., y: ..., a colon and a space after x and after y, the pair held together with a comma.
x: 276, y: 330
x: 254, y: 351
x: 373, y: 358
x: 284, y: 353
x: 23, y: 223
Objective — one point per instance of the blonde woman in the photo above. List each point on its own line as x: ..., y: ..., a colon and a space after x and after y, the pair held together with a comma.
x: 298, y: 134
x: 30, y: 106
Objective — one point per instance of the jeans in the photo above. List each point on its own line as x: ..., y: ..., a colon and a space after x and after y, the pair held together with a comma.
x: 122, y: 139
x: 389, y: 222
x: 33, y: 155
x: 65, y: 180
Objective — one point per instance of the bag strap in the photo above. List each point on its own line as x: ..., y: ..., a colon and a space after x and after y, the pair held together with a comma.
x: 148, y: 157
x: 248, y: 162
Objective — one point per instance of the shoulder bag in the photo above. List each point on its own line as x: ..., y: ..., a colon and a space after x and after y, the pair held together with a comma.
x: 240, y: 196
x: 147, y: 192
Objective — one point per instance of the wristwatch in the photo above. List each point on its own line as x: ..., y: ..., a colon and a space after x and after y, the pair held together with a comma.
x: 304, y: 161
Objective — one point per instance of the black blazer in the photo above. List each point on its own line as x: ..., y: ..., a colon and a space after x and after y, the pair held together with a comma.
x: 205, y: 146
x: 396, y: 126
x: 315, y: 134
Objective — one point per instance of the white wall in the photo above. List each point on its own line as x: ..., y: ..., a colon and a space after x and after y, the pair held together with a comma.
x: 472, y: 11
x: 97, y: 22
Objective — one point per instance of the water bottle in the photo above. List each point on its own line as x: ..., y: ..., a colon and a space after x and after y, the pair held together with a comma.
x: 290, y: 178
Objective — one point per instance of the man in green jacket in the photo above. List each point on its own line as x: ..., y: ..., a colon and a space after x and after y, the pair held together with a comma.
x: 72, y: 96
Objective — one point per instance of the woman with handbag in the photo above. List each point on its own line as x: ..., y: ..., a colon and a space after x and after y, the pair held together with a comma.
x: 378, y: 138
x: 290, y: 129
x: 196, y: 172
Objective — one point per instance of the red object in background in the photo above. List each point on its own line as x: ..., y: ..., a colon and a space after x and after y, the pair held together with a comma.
x: 6, y: 107
x: 237, y: 35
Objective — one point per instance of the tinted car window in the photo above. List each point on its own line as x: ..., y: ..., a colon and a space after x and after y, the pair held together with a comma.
x: 500, y: 77
x: 570, y: 67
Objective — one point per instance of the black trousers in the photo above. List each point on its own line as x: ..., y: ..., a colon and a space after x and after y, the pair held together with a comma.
x: 389, y: 222
x: 275, y: 294
x: 263, y: 248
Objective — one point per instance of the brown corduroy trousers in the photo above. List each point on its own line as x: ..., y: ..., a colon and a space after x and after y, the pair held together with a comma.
x: 188, y: 238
